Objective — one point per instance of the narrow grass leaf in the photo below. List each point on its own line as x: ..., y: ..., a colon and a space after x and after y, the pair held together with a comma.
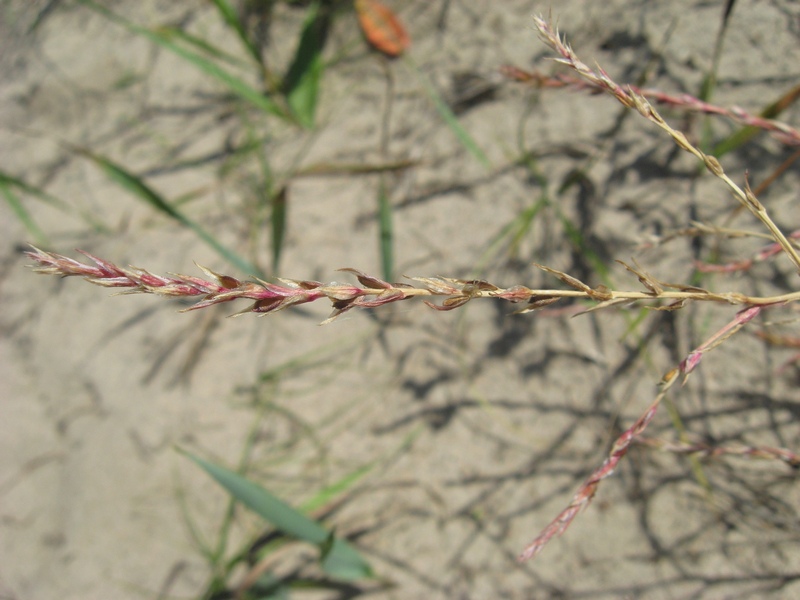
x: 515, y: 231
x: 15, y: 182
x: 332, y: 168
x: 201, y: 44
x: 234, y: 84
x: 280, y: 209
x: 449, y: 117
x: 386, y: 233
x: 579, y: 241
x: 341, y: 560
x: 22, y: 214
x: 144, y: 192
x: 574, y: 232
x: 8, y: 183
x: 268, y: 587
x: 133, y: 184
x: 735, y: 140
x: 336, y: 489
x: 301, y: 84
x: 745, y: 134
x: 709, y: 83
x: 231, y: 18
x: 12, y: 182
x: 164, y: 39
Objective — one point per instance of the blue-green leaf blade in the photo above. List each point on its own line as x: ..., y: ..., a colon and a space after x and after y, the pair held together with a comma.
x: 164, y: 38
x: 231, y: 18
x: 280, y: 209
x: 24, y: 217
x: 340, y: 559
x: 386, y: 234
x: 449, y: 117
x: 302, y: 80
x: 137, y: 186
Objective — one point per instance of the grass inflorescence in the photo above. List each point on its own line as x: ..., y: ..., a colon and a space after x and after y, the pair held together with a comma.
x: 447, y: 293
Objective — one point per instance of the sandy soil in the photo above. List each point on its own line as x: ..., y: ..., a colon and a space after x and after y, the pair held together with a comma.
x: 478, y: 424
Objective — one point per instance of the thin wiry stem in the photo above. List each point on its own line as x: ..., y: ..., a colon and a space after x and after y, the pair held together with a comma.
x: 783, y: 132
x: 585, y: 493
x: 587, y: 490
x: 762, y: 452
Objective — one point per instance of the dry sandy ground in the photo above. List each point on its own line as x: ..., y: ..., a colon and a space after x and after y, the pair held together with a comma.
x: 478, y: 424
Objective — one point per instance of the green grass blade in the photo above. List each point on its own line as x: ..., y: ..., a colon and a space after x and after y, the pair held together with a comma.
x: 280, y: 209
x: 134, y: 185
x: 340, y: 558
x: 8, y: 183
x: 449, y: 117
x: 386, y: 235
x: 301, y: 84
x: 234, y: 84
x: 12, y: 182
x: 575, y: 234
x: 745, y: 134
x: 22, y: 214
x: 709, y: 83
x: 313, y: 360
x: 336, y: 489
x: 141, y: 190
x: 164, y: 39
x: 735, y: 140
x: 231, y: 18
x: 202, y: 45
x: 513, y: 233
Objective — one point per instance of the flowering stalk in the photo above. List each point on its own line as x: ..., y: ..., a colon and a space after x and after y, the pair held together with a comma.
x: 695, y: 356
x: 587, y: 490
x: 374, y: 292
x: 743, y: 265
x: 629, y: 98
x: 620, y: 448
x: 783, y: 132
x: 764, y: 452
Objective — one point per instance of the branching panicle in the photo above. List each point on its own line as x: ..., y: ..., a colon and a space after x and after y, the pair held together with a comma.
x: 451, y: 293
x: 783, y: 132
x: 630, y: 98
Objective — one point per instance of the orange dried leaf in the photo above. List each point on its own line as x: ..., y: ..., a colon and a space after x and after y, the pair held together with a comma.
x: 381, y: 27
